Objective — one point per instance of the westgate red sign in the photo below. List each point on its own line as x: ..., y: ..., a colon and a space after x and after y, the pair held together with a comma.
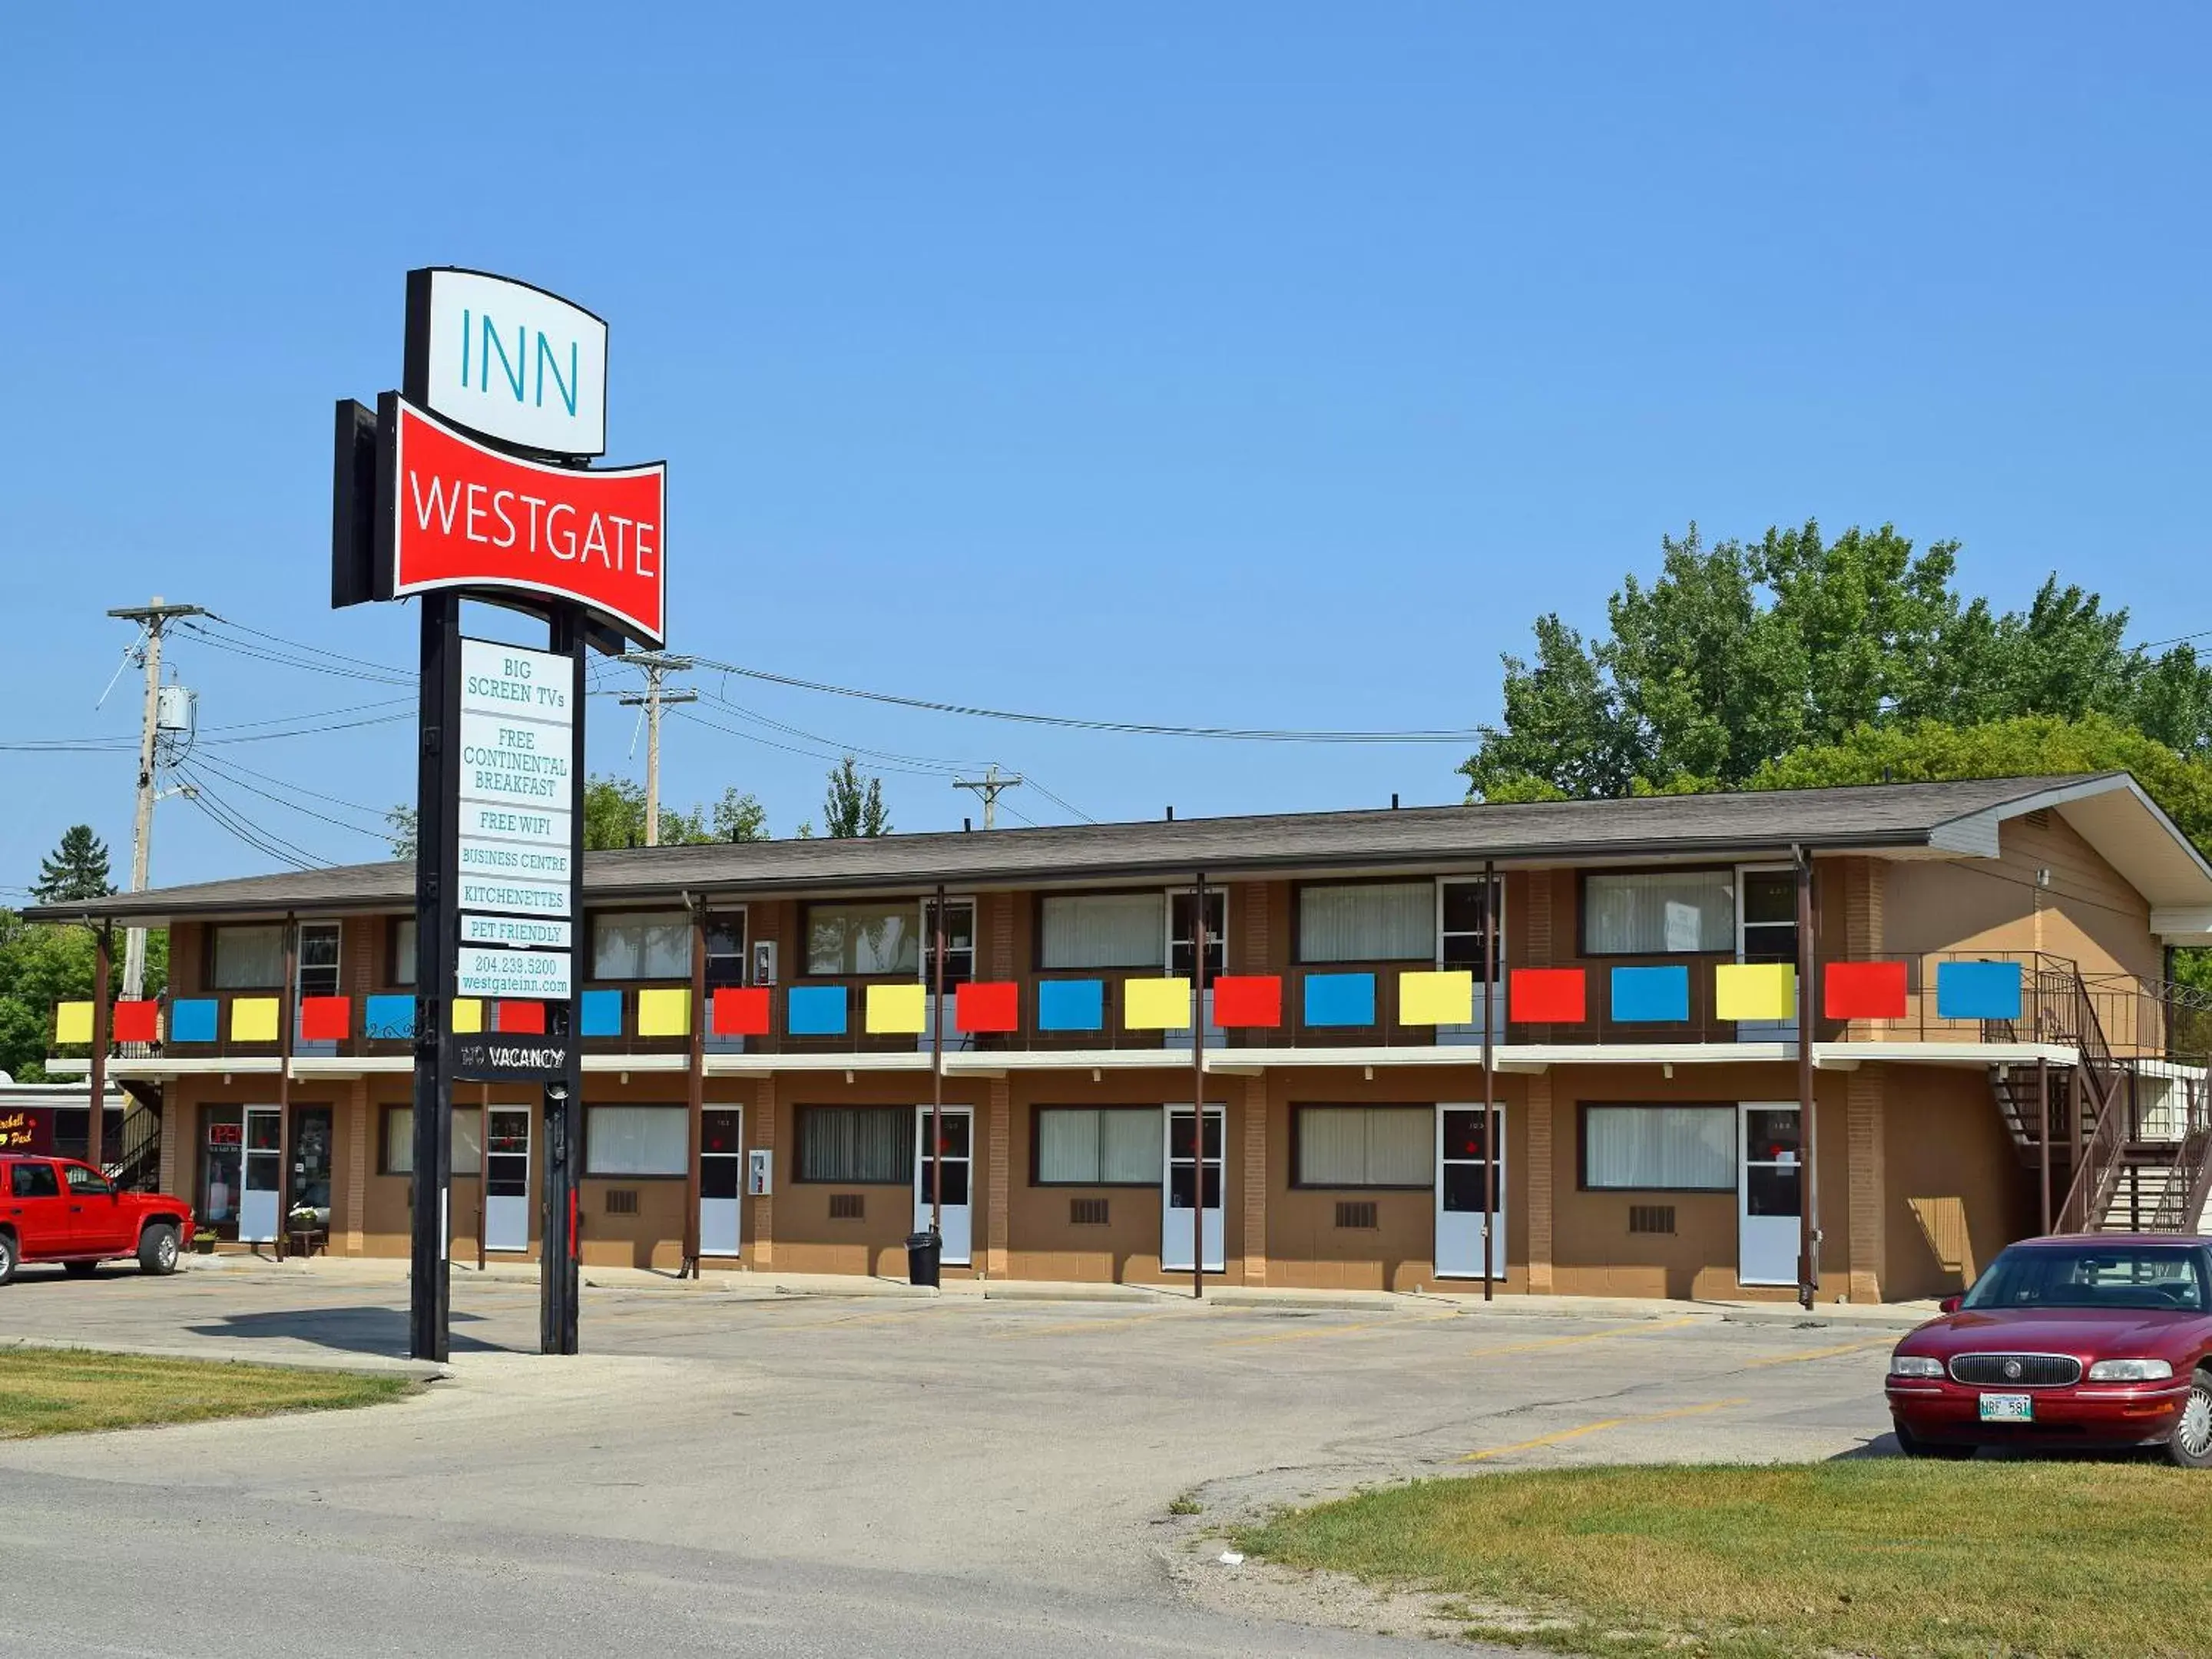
x: 462, y: 515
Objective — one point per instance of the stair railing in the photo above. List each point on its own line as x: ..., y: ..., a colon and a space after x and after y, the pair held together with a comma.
x: 2096, y: 1171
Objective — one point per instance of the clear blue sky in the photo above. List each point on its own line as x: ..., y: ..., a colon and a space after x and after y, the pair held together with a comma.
x: 1265, y: 365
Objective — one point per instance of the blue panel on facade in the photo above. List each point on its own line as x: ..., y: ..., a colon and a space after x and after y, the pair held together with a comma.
x: 1071, y: 1004
x: 1651, y: 996
x: 815, y: 1011
x: 1977, y: 990
x: 601, y: 1015
x: 387, y: 1017
x: 1339, y: 998
x: 193, y: 1020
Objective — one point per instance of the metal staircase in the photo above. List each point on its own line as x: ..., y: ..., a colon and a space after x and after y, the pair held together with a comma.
x: 137, y: 1165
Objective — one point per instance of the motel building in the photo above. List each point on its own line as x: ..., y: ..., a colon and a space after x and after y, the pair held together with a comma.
x: 1997, y: 1048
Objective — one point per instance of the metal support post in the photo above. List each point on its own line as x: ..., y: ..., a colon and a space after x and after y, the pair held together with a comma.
x: 1489, y: 1081
x: 1808, y: 1191
x: 1197, y: 1092
x: 558, y: 1274
x: 429, y: 1303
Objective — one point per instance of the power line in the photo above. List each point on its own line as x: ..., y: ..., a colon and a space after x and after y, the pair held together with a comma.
x: 302, y: 645
x: 383, y: 834
x: 267, y: 843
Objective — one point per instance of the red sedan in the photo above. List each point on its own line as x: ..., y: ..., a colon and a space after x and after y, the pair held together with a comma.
x: 2104, y: 1339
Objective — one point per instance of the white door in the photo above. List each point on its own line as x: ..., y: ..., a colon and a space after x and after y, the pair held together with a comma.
x: 1770, y: 1187
x: 956, y: 1157
x: 722, y: 1179
x: 1463, y: 1194
x: 1179, y: 1184
x: 258, y: 1206
x: 1766, y: 931
x: 506, y: 1178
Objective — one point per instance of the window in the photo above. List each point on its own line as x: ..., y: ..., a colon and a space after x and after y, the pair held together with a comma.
x: 1366, y: 1145
x: 1373, y: 921
x: 36, y: 1181
x: 247, y: 959
x: 318, y: 958
x: 642, y: 944
x: 637, y: 1140
x: 2089, y: 1275
x: 1102, y: 930
x: 861, y: 1145
x: 399, y: 1141
x: 1770, y: 915
x: 726, y: 949
x: 1687, y: 1149
x: 1659, y: 913
x: 866, y: 938
x: 86, y: 1182
x: 1089, y: 1147
x: 959, y: 941
x: 1217, y: 931
x: 1463, y: 916
x: 402, y: 952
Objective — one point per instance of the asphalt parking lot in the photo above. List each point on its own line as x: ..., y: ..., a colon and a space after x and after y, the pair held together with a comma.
x: 1015, y: 1457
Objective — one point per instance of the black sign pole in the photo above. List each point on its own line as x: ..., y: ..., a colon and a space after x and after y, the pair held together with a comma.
x: 557, y: 1265
x: 437, y: 854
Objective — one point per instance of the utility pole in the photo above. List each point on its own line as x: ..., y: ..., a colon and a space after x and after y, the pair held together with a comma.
x: 657, y: 664
x: 152, y: 618
x: 988, y: 786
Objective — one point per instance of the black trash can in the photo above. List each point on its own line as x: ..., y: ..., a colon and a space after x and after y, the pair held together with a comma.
x: 923, y: 1251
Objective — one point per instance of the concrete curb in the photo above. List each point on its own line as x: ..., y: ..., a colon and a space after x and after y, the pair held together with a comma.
x: 365, y: 1365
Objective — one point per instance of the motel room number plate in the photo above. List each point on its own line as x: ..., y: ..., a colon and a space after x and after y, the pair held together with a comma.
x: 2007, y: 1408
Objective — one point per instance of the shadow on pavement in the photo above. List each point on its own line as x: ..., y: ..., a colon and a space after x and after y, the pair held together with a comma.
x: 350, y: 1330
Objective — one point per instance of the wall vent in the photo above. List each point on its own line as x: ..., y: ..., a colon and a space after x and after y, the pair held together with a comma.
x: 622, y: 1201
x: 2040, y: 817
x: 848, y: 1207
x: 1086, y: 1212
x: 1651, y: 1218
x: 1356, y: 1212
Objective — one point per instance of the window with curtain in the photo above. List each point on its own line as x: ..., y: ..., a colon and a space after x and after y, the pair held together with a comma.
x: 858, y: 1146
x: 1366, y: 1145
x: 1095, y: 1146
x: 1103, y: 930
x: 1372, y: 921
x: 247, y: 958
x: 635, y: 1141
x: 1684, y: 1149
x: 642, y: 944
x: 1659, y: 913
x: 845, y: 939
x: 402, y: 952
x: 399, y: 1141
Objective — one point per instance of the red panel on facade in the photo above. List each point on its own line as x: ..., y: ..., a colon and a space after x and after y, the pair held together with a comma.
x: 1864, y: 990
x: 521, y: 1016
x: 1546, y: 996
x: 739, y: 1012
x: 325, y: 1019
x: 135, y: 1022
x: 1248, y: 1001
x: 984, y: 1005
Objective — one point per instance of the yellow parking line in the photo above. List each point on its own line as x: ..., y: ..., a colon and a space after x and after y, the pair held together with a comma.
x: 1072, y: 1327
x: 1820, y: 1354
x: 1312, y: 1331
x: 1649, y: 1327
x: 1542, y: 1440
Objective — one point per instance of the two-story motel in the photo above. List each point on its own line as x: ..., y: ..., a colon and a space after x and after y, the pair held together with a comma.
x: 1996, y: 1047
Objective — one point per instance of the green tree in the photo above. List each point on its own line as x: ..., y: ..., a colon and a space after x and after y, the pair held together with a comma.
x: 854, y: 807
x: 401, y: 820
x: 42, y: 965
x: 1739, y: 653
x: 614, y: 816
x: 78, y: 869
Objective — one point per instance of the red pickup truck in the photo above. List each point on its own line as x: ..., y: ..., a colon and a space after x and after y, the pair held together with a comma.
x: 56, y: 1209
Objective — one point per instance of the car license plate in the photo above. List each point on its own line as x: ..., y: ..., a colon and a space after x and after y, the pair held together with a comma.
x: 2007, y: 1408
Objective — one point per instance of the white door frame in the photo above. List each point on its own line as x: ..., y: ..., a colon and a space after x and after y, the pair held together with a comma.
x: 1759, y: 1030
x: 1471, y: 1033
x: 958, y: 1228
x: 251, y: 1198
x: 512, y: 1207
x: 734, y: 1214
x: 1757, y: 1236
x: 1175, y: 1227
x: 1455, y: 1239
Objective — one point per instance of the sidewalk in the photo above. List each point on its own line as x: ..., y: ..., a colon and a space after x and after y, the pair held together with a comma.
x: 768, y: 1285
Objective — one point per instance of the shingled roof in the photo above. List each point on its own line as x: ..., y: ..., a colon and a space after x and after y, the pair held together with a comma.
x: 1954, y: 817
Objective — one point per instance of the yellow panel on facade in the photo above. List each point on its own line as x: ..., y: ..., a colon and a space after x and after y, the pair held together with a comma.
x: 1755, y: 990
x: 254, y: 1019
x: 1428, y: 998
x: 468, y: 1014
x: 72, y: 1021
x: 896, y: 1008
x: 1156, y: 1005
x: 665, y: 1012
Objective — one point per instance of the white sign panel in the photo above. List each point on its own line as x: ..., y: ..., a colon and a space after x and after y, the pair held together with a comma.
x: 540, y: 829
x: 511, y: 361
x: 524, y: 976
x: 509, y: 858
x: 515, y: 930
x: 505, y: 679
x: 528, y: 898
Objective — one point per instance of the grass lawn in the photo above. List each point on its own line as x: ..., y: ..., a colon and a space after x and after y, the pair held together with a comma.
x: 1881, y: 1557
x: 65, y: 1391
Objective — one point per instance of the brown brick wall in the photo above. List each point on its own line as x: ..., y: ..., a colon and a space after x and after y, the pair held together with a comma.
x: 1862, y: 1107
